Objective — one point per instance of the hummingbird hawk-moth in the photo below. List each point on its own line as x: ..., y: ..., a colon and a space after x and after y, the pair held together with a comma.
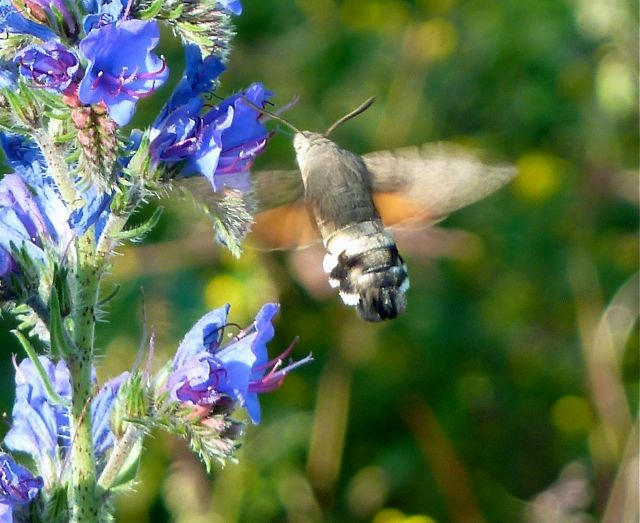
x: 351, y: 198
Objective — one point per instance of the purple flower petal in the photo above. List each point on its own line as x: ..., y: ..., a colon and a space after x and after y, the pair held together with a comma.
x: 28, y: 220
x: 6, y: 513
x: 50, y: 65
x: 223, y: 142
x: 18, y: 486
x: 202, y: 371
x: 31, y: 210
x: 244, y: 139
x: 102, y: 11
x: 121, y: 68
x: 208, y: 329
x: 39, y: 427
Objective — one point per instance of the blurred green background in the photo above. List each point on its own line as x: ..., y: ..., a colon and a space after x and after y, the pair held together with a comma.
x: 509, y: 389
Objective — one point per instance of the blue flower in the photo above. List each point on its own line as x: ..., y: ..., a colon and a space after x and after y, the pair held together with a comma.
x: 224, y: 141
x: 101, y: 407
x: 29, y: 222
x: 199, y: 78
x: 25, y: 157
x: 204, y: 374
x: 12, y: 22
x: 6, y: 513
x: 34, y: 218
x: 8, y: 75
x: 50, y: 65
x: 41, y: 428
x: 18, y: 486
x: 232, y: 5
x: 27, y: 160
x: 246, y: 137
x: 183, y: 137
x: 25, y: 222
x: 121, y: 68
x: 101, y: 12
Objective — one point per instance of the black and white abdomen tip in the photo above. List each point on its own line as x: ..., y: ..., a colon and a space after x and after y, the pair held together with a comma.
x: 363, y: 263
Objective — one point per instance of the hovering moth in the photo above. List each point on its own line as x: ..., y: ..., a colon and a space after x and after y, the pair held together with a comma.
x: 351, y: 198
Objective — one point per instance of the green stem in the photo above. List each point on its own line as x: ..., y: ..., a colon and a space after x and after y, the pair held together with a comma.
x: 84, y: 498
x: 58, y: 168
x: 115, y: 223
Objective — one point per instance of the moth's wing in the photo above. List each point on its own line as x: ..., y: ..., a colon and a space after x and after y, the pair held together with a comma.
x: 399, y: 212
x: 432, y: 180
x: 276, y: 188
x: 283, y: 220
x: 287, y: 227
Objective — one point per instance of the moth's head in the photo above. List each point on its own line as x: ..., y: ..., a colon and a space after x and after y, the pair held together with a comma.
x: 302, y: 140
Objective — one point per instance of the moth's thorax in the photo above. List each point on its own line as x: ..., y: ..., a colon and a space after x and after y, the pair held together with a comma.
x: 336, y: 185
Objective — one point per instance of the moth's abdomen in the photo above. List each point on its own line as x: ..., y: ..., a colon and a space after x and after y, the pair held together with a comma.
x: 363, y: 263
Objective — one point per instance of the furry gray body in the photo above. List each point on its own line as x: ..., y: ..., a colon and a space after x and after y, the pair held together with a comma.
x: 362, y: 260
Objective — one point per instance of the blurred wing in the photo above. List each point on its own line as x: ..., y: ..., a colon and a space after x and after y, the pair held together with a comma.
x: 283, y: 220
x: 399, y: 212
x: 431, y: 181
x: 287, y: 227
x: 276, y: 188
x: 413, y: 186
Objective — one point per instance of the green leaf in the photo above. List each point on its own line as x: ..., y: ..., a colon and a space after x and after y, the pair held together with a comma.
x: 73, y: 156
x: 51, y: 100
x: 56, y: 506
x: 175, y: 13
x: 65, y: 138
x: 33, y: 356
x: 15, y: 102
x: 137, y: 233
x: 110, y: 296
x: 61, y: 345
x: 61, y: 286
x: 151, y: 11
x: 140, y: 162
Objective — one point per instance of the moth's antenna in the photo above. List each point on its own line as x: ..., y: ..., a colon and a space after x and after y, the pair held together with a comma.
x: 283, y: 131
x: 361, y: 109
x: 293, y: 102
x: 270, y: 114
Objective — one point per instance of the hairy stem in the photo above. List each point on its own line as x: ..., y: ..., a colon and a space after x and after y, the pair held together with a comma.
x: 58, y: 168
x: 86, y: 278
x: 115, y: 224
